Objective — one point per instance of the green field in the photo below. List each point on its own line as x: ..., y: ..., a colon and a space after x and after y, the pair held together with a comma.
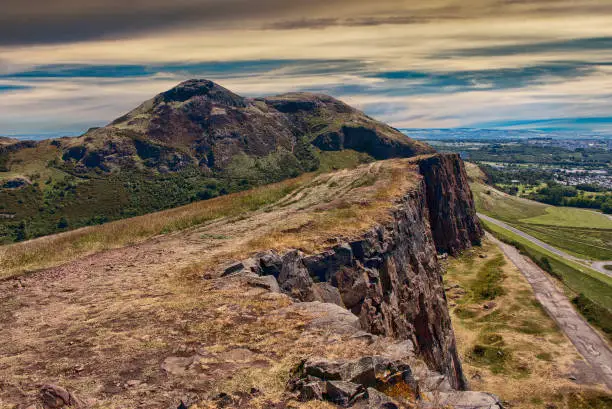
x: 582, y: 233
x: 571, y: 217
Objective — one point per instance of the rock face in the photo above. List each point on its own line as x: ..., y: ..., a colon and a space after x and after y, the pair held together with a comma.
x: 452, y: 214
x: 390, y: 277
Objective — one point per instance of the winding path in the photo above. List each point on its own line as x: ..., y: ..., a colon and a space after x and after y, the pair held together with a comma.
x: 595, y: 265
x: 586, y: 340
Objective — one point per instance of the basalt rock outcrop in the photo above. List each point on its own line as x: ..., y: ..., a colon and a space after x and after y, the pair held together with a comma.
x: 452, y: 214
x: 389, y: 277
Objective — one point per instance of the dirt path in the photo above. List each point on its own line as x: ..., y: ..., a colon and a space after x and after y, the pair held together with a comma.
x: 587, y: 341
x: 595, y: 265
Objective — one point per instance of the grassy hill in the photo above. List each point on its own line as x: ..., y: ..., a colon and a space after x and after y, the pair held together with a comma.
x: 583, y: 233
x: 193, y: 142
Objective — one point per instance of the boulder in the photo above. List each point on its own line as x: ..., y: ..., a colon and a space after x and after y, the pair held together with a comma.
x: 324, y: 369
x: 270, y: 263
x: 327, y: 293
x: 330, y: 317
x: 294, y: 278
x: 378, y: 400
x: 56, y: 397
x: 343, y: 393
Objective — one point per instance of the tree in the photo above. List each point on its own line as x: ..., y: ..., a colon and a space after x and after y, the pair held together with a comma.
x: 606, y: 206
x: 63, y: 223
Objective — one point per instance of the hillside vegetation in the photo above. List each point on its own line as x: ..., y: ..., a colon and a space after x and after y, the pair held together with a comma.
x: 508, y: 344
x: 193, y: 142
x: 580, y: 232
x: 57, y: 249
x: 583, y: 233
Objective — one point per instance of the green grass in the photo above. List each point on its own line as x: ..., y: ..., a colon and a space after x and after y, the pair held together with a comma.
x: 594, y: 287
x: 487, y: 285
x: 582, y: 233
x: 571, y: 217
x: 53, y: 250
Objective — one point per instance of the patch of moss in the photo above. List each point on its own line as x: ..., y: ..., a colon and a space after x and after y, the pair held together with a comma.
x: 487, y: 285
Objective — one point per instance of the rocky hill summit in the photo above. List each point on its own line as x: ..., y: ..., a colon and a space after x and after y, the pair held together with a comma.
x: 195, y: 141
x: 200, y: 123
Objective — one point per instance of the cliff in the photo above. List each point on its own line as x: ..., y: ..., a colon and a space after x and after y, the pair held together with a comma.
x: 389, y: 276
x: 452, y: 214
x: 338, y: 297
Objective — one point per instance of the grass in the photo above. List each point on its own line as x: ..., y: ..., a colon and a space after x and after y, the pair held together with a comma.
x: 489, y: 278
x: 53, y: 250
x: 359, y: 199
x: 513, y: 349
x: 593, y: 286
x: 571, y: 217
x: 582, y: 233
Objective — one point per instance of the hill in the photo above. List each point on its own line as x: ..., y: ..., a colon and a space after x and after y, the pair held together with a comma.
x: 195, y: 141
x: 232, y: 306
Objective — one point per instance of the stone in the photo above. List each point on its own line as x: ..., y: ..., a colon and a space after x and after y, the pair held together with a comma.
x: 266, y: 282
x: 329, y: 317
x: 324, y: 369
x: 489, y: 305
x: 378, y: 400
x: 56, y: 397
x: 312, y: 391
x: 462, y: 400
x: 341, y: 392
x: 232, y: 268
x: 399, y: 350
x: 327, y: 293
x: 294, y: 278
x: 271, y: 263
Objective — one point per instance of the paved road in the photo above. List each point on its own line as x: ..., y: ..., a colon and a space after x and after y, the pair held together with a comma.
x: 587, y: 341
x: 595, y: 265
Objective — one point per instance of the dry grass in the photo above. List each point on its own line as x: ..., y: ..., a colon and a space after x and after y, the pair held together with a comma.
x: 60, y: 248
x: 512, y: 349
x: 121, y: 313
x: 338, y: 204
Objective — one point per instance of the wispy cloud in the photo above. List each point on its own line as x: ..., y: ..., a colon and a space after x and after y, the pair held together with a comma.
x: 67, y: 65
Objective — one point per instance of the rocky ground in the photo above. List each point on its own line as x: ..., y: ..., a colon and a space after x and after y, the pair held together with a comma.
x: 175, y: 319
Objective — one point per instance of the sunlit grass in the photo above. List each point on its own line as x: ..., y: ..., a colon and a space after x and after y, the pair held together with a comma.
x: 57, y: 249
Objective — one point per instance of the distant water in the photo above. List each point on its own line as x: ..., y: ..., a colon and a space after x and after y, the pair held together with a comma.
x: 40, y: 137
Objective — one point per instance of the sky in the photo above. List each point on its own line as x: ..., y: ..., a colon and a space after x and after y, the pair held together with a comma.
x: 67, y: 65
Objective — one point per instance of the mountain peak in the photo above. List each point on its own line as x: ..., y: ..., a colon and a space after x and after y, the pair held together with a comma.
x: 202, y: 88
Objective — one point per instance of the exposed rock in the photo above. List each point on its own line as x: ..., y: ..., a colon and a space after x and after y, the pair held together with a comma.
x: 330, y: 316
x: 327, y: 293
x: 452, y: 214
x: 390, y: 277
x: 378, y: 400
x: 294, y: 278
x: 56, y: 397
x: 343, y: 393
x: 463, y: 400
x: 353, y: 382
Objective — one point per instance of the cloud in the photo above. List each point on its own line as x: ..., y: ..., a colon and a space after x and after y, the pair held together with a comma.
x: 319, y: 23
x: 213, y: 68
x: 9, y: 87
x: 570, y: 45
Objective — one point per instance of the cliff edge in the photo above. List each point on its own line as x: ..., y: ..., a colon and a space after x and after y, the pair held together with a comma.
x: 332, y: 292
